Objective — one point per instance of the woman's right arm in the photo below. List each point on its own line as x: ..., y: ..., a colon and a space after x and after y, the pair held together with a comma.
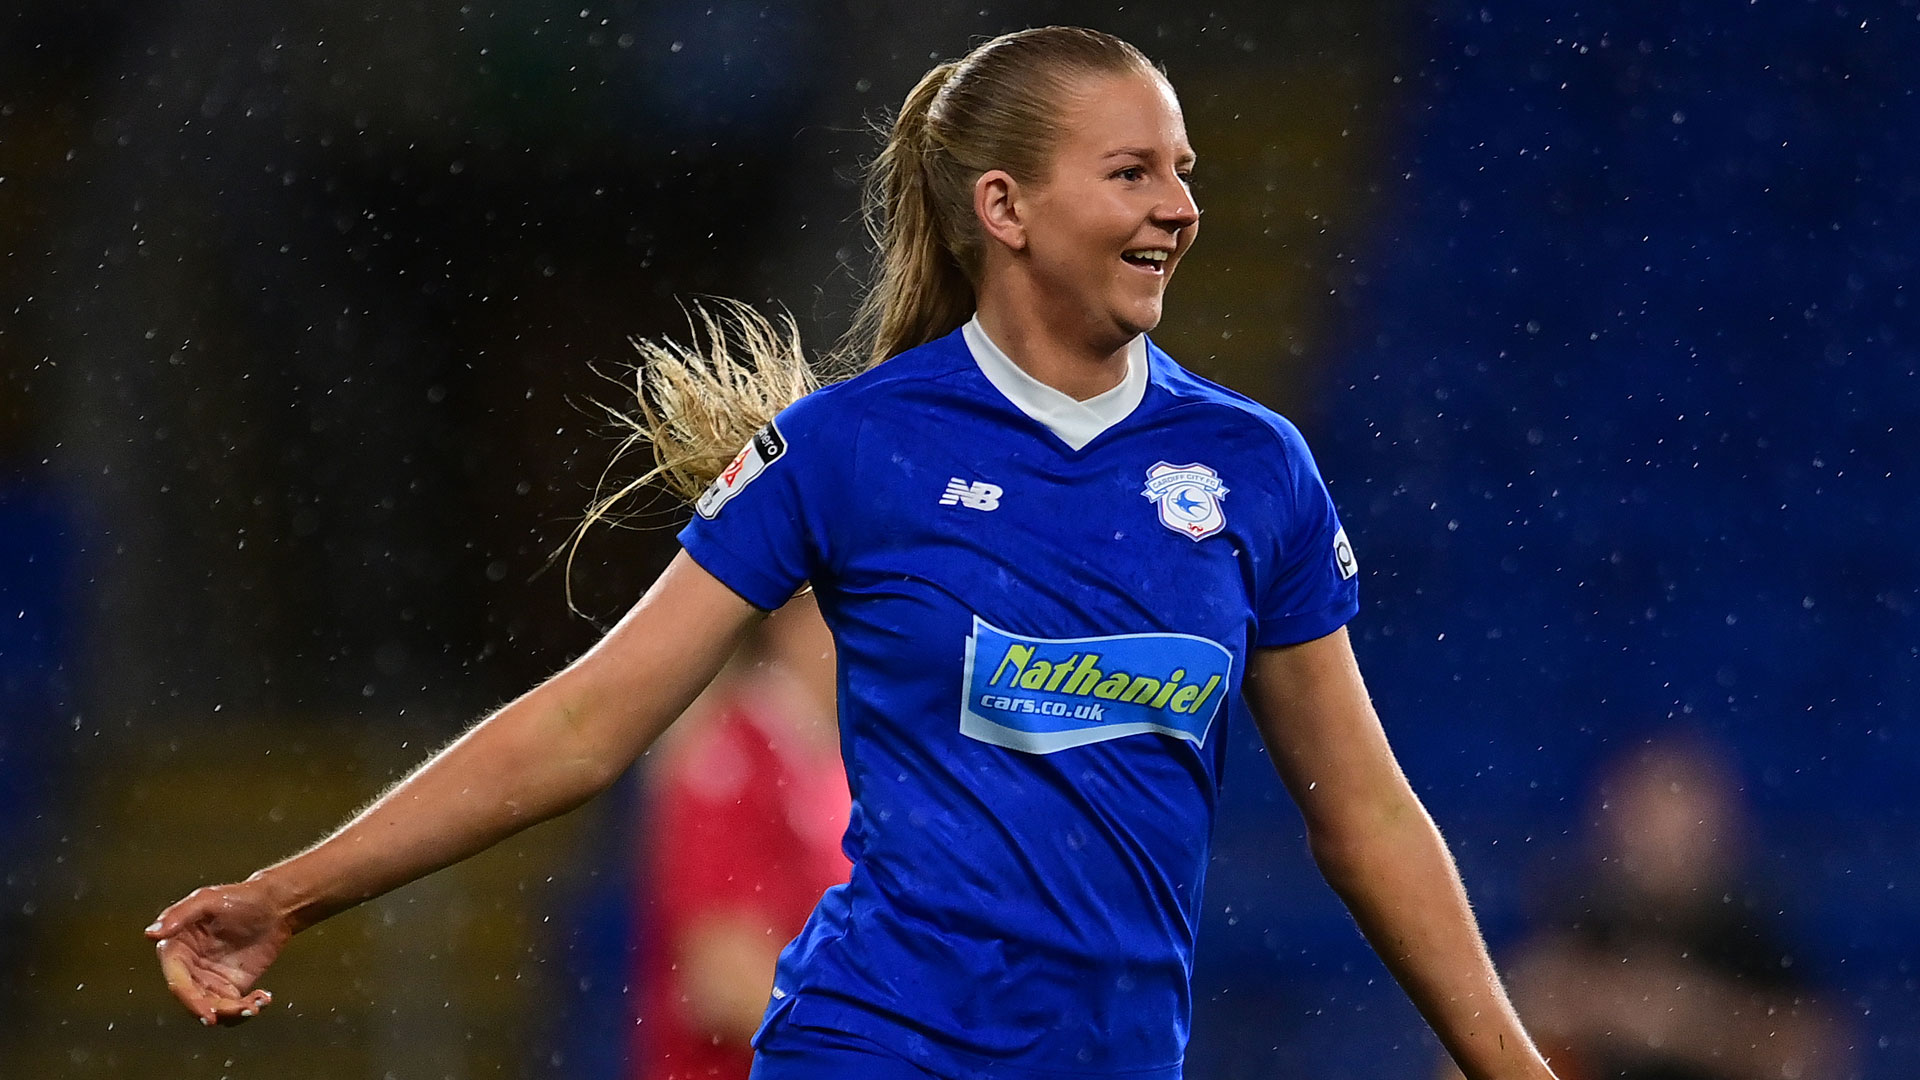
x: 541, y: 756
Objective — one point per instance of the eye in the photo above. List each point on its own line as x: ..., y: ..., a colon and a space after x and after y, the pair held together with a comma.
x: 1131, y: 173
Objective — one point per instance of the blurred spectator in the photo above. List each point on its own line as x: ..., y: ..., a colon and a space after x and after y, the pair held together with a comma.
x: 742, y: 823
x: 37, y: 641
x: 1660, y: 965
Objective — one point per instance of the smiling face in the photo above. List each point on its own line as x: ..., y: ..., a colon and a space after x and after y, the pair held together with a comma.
x: 1106, y: 227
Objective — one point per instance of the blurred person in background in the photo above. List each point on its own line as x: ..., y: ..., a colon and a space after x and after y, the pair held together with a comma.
x: 1032, y: 806
x: 1660, y: 963
x: 740, y: 834
x: 37, y: 657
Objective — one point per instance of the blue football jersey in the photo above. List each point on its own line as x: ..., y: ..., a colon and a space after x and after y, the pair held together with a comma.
x: 1040, y: 644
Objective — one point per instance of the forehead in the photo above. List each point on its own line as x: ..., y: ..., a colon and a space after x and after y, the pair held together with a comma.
x: 1104, y: 113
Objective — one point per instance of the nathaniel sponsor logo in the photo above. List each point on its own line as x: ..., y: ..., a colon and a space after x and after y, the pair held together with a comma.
x: 1041, y: 695
x: 762, y: 450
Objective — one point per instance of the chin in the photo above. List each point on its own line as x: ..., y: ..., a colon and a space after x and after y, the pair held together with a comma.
x: 1138, y: 320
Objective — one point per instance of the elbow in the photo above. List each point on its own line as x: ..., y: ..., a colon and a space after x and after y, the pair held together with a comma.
x: 593, y: 762
x: 586, y: 759
x: 1351, y: 843
x: 1340, y: 855
x: 566, y: 782
x: 597, y: 773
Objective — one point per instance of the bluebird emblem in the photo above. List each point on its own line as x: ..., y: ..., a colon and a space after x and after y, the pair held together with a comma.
x: 1188, y: 497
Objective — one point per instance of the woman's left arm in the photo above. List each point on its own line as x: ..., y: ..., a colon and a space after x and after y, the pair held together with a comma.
x: 1381, y: 852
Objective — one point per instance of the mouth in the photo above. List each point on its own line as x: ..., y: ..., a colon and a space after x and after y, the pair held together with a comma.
x: 1152, y: 260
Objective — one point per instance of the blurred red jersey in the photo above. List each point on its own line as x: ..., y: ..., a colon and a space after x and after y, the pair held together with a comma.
x: 743, y: 825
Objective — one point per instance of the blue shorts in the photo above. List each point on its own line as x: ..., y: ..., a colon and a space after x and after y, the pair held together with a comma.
x: 789, y: 1052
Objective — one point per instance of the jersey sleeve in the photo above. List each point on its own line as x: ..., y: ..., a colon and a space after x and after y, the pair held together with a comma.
x: 1310, y: 584
x: 763, y: 525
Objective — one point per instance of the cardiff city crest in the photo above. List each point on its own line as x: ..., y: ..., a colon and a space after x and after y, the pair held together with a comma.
x: 1189, y: 498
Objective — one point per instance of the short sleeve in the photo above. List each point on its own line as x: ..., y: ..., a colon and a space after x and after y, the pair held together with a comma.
x: 1310, y: 584
x: 762, y: 525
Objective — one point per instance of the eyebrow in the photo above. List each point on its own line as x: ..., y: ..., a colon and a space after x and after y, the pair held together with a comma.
x: 1187, y: 158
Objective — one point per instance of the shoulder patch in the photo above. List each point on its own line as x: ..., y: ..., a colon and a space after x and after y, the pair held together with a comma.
x: 762, y: 450
x: 1343, y: 556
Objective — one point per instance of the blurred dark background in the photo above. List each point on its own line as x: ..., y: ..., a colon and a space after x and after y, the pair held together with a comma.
x: 1599, y: 317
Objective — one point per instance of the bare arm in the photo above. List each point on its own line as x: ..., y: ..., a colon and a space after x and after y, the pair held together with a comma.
x: 727, y: 963
x: 1381, y: 852
x: 541, y: 756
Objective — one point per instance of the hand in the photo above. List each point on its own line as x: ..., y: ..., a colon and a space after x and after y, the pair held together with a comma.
x: 213, y: 945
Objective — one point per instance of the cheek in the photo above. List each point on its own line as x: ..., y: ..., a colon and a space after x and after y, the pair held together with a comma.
x: 1081, y: 238
x: 1093, y: 219
x: 1076, y: 244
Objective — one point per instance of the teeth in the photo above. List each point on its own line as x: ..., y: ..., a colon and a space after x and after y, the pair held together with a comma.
x: 1149, y: 254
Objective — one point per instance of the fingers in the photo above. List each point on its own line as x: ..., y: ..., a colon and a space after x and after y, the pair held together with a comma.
x: 177, y: 959
x: 176, y: 969
x: 186, y: 952
x: 180, y: 913
x: 240, y: 1010
x: 204, y: 990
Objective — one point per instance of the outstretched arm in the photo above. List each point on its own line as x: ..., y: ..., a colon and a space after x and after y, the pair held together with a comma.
x: 541, y: 756
x: 1381, y: 853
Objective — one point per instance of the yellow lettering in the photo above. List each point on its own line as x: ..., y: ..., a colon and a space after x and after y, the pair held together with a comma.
x: 1017, y: 655
x: 1113, y: 687
x: 1085, y: 676
x: 1141, y: 689
x: 1036, y: 675
x: 1182, y: 698
x: 1060, y: 671
x: 1167, y: 691
x: 1205, y: 693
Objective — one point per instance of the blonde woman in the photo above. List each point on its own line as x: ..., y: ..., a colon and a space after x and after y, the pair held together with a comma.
x: 1055, y: 565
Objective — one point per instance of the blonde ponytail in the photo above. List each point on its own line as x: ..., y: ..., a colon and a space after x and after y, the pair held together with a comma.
x: 695, y: 406
x: 920, y: 291
x: 995, y: 108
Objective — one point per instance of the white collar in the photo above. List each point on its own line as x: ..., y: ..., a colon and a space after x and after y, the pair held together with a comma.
x: 1075, y: 422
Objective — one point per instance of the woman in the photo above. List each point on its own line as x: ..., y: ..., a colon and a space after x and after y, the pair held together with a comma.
x: 1053, y: 563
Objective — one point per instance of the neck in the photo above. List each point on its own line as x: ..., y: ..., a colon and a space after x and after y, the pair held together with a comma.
x: 1055, y: 355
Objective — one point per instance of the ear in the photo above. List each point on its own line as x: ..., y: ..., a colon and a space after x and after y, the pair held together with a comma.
x: 997, y: 203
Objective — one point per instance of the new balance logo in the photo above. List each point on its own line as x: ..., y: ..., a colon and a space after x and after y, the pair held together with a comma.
x: 978, y: 495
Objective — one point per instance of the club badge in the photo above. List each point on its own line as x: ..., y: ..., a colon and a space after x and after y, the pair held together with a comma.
x: 1189, y: 498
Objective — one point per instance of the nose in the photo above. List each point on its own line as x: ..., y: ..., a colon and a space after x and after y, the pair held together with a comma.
x: 1178, y: 210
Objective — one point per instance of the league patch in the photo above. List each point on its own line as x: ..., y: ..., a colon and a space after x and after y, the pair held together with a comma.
x: 1189, y: 498
x: 1042, y: 695
x: 1343, y: 556
x: 762, y: 450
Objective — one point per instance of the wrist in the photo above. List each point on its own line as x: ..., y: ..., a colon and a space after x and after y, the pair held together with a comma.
x: 293, y: 902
